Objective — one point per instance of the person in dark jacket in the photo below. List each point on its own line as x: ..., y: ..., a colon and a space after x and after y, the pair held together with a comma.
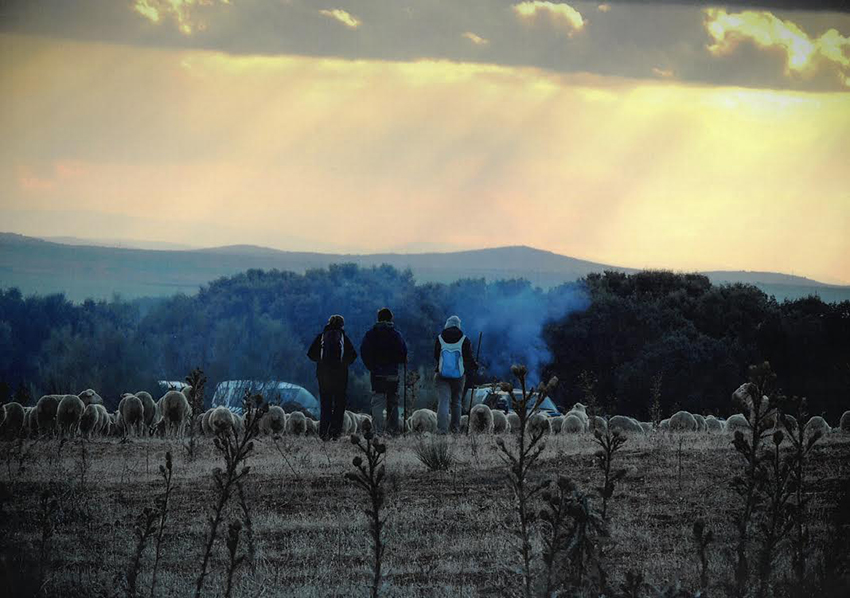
x: 333, y: 353
x: 454, y: 362
x: 382, y: 350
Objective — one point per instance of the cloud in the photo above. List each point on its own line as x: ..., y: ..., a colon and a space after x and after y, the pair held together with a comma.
x: 475, y: 39
x: 562, y: 16
x: 603, y: 7
x: 803, y: 54
x: 181, y: 11
x: 342, y: 16
x: 663, y: 73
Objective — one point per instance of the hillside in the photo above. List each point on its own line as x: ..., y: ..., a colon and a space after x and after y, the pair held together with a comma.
x: 82, y: 271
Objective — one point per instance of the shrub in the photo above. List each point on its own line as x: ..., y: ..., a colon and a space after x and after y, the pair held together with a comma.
x: 436, y: 455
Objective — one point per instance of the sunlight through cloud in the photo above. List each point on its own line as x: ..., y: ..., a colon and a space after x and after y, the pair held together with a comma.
x: 562, y: 16
x: 342, y: 16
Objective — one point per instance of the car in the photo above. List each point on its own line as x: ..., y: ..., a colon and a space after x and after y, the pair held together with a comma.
x: 496, y: 398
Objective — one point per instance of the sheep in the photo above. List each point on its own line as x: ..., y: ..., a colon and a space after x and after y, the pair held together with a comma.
x: 464, y: 424
x: 597, y: 423
x: 712, y: 425
x: 296, y: 423
x: 844, y: 423
x: 682, y: 421
x: 625, y: 425
x: 349, y: 423
x: 221, y: 421
x: 664, y: 425
x: 480, y: 419
x: 90, y: 397
x: 579, y: 407
x: 274, y: 421
x: 646, y: 426
x: 30, y: 422
x: 539, y: 424
x: 68, y: 413
x: 500, y: 422
x: 13, y: 419
x: 421, y: 421
x: 313, y: 427
x: 174, y: 409
x: 700, y: 422
x: 132, y: 414
x: 556, y: 423
x: 149, y: 406
x: 45, y: 412
x: 102, y: 425
x: 513, y: 420
x: 817, y: 424
x: 572, y: 424
x: 89, y: 420
x: 737, y: 422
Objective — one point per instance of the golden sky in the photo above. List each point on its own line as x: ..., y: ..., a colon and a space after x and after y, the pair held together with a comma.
x: 198, y: 145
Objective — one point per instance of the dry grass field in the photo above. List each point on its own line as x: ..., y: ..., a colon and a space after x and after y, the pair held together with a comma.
x: 447, y: 533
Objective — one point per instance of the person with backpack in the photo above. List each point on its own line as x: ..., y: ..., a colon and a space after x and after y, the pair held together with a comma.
x: 383, y: 350
x: 333, y: 353
x: 453, y: 354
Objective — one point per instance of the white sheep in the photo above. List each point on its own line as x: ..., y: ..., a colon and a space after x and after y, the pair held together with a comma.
x: 13, y: 419
x: 682, y: 421
x: 539, y: 425
x: 30, y: 421
x: 296, y: 424
x: 102, y: 425
x: 132, y: 414
x: 175, y: 412
x: 513, y: 420
x: 817, y: 424
x: 221, y: 421
x: 572, y: 424
x: 312, y: 427
x: 700, y: 422
x: 89, y: 421
x: 422, y: 421
x: 464, y: 423
x: 737, y: 422
x: 480, y: 419
x: 664, y: 425
x: 500, y: 422
x: 90, y: 397
x: 844, y: 423
x: 596, y: 422
x: 556, y: 423
x: 274, y: 421
x: 45, y: 413
x: 647, y: 427
x: 349, y: 423
x: 68, y: 413
x: 713, y: 425
x: 624, y: 425
x: 149, y: 405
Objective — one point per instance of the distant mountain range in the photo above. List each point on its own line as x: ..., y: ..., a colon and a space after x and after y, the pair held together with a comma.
x: 82, y: 271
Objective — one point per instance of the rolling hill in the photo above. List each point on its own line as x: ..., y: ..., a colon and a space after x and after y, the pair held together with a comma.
x: 83, y: 271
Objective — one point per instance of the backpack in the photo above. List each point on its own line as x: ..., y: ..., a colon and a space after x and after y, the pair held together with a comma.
x: 333, y: 346
x: 451, y: 359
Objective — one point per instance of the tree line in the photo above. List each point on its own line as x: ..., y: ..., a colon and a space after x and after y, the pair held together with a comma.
x: 616, y: 339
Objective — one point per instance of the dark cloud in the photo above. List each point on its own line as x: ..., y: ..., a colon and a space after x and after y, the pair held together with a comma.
x: 632, y: 39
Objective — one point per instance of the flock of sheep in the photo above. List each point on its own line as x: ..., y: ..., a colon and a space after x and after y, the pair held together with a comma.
x: 138, y: 415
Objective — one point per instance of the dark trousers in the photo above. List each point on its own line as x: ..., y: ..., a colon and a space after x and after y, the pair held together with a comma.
x: 333, y: 384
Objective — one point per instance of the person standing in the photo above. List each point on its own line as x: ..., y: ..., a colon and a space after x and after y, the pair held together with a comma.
x: 383, y: 350
x: 453, y: 354
x: 333, y: 353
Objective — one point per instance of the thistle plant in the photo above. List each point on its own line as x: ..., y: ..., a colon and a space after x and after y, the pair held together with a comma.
x: 369, y: 477
x: 234, y: 561
x: 145, y: 527
x: 162, y: 503
x: 702, y: 539
x: 748, y: 486
x: 234, y: 447
x: 609, y: 443
x: 197, y: 380
x: 522, y: 458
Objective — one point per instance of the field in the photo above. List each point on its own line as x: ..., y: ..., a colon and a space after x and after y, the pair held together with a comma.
x: 447, y: 533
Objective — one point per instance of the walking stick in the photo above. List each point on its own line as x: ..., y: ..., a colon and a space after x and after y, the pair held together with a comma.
x: 404, y: 395
x: 472, y: 388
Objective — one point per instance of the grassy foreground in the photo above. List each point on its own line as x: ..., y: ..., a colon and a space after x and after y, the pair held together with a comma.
x: 447, y: 533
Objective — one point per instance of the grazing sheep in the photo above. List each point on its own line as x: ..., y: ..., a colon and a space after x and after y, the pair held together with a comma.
x: 664, y: 425
x: 513, y: 420
x: 844, y: 424
x: 817, y: 424
x: 713, y: 425
x: 89, y: 420
x: 464, y: 424
x: 597, y: 423
x: 205, y: 423
x: 647, y: 427
x: 313, y: 427
x: 132, y: 414
x: 296, y: 424
x: 539, y: 424
x: 624, y: 425
x: 30, y: 422
x: 149, y: 405
x: 274, y: 421
x: 421, y: 421
x: 175, y: 411
x: 556, y: 423
x: 579, y: 407
x: 221, y: 421
x: 90, y: 397
x: 102, y: 425
x: 13, y: 419
x: 700, y: 422
x: 45, y: 412
x: 349, y: 423
x: 579, y: 411
x: 737, y: 422
x: 572, y: 424
x: 480, y: 419
x: 682, y: 421
x: 500, y: 422
x: 68, y: 413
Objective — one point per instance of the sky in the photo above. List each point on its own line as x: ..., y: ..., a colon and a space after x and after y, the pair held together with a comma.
x: 684, y: 135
